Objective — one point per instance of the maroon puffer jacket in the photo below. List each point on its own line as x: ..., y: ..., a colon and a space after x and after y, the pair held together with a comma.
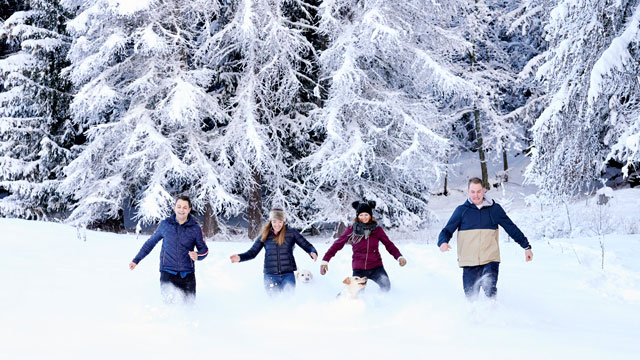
x: 365, y: 253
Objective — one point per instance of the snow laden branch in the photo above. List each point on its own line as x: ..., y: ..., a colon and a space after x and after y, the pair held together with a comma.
x: 382, y: 123
x: 266, y: 70
x: 143, y: 101
x: 592, y: 112
x: 35, y: 134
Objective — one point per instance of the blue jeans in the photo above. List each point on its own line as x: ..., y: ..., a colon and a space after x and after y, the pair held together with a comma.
x: 378, y: 275
x: 485, y: 276
x: 275, y: 283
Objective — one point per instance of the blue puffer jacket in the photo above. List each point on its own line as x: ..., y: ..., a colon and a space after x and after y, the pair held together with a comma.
x: 278, y: 259
x: 178, y: 240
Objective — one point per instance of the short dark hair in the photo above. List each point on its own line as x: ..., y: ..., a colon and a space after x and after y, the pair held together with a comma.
x: 184, y: 198
x: 474, y: 180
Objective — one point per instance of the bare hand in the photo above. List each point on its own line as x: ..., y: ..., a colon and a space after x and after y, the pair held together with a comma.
x: 234, y: 258
x: 402, y: 261
x: 324, y: 269
x: 445, y: 247
x: 132, y: 265
x: 314, y: 256
x: 193, y: 255
x: 528, y: 255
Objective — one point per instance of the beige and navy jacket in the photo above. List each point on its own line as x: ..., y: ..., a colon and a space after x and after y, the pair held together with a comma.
x: 478, y: 232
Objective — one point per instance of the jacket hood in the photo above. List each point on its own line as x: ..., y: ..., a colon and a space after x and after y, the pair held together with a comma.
x: 487, y: 202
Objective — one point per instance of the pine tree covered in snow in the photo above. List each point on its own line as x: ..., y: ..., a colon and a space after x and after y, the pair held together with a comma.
x: 304, y: 104
x: 592, y: 109
x: 265, y: 61
x: 495, y: 55
x: 527, y: 21
x: 388, y: 105
x: 144, y: 105
x: 35, y: 134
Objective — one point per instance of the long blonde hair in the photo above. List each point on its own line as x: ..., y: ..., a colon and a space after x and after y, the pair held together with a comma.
x: 279, y: 239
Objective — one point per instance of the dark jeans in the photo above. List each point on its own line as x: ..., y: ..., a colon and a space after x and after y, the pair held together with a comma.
x: 378, y: 275
x: 485, y: 276
x: 275, y: 283
x: 171, y: 284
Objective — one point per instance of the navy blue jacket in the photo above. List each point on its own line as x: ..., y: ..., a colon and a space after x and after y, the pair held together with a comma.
x: 178, y: 240
x: 278, y: 259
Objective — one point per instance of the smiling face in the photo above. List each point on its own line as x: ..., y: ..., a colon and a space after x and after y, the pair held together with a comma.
x: 476, y: 193
x: 364, y: 217
x: 277, y: 225
x: 182, y: 210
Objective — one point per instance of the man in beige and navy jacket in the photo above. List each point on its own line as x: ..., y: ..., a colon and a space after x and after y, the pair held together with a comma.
x: 477, y: 223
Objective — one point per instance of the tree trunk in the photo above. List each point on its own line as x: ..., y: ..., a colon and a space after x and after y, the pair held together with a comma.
x: 476, y: 117
x: 506, y: 165
x: 254, y: 211
x: 340, y: 228
x: 446, y: 177
x: 483, y: 162
x: 210, y: 226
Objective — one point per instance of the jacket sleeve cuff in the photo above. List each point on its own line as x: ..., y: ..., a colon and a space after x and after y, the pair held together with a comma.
x: 324, y: 263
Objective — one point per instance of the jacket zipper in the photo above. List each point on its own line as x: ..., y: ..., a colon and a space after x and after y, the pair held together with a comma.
x: 178, y: 244
x: 277, y: 253
x: 366, y: 256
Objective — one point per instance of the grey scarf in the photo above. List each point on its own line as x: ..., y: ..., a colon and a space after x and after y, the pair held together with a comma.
x: 361, y: 231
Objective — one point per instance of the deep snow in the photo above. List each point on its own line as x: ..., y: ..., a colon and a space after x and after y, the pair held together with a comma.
x: 63, y: 297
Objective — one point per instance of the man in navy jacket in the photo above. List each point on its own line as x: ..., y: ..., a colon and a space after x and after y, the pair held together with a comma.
x: 180, y: 234
x: 477, y: 223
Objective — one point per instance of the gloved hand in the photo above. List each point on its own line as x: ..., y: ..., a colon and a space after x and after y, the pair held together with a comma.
x: 402, y: 261
x: 324, y: 267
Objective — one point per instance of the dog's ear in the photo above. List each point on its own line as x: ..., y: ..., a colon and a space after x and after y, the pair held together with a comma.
x: 372, y: 204
x: 355, y: 204
x: 347, y: 281
x: 296, y: 274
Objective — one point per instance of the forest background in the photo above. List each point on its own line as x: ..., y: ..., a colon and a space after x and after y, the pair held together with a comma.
x: 109, y: 108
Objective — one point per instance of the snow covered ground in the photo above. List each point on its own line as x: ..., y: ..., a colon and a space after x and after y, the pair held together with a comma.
x: 63, y: 297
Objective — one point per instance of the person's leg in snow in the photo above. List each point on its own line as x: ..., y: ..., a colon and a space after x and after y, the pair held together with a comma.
x: 172, y: 285
x: 377, y: 275
x: 485, y: 276
x: 489, y: 279
x: 470, y: 276
x: 277, y: 283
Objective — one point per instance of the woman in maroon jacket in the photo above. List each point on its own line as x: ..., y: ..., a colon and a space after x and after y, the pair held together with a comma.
x: 364, y: 236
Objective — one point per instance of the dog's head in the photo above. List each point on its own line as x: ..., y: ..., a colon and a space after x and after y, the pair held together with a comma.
x: 304, y: 276
x: 354, y: 285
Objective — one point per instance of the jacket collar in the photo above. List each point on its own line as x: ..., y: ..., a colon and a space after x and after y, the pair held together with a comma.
x: 190, y: 221
x: 486, y: 202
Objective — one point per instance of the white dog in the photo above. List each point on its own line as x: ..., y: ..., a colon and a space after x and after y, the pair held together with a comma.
x: 354, y: 285
x: 303, y: 276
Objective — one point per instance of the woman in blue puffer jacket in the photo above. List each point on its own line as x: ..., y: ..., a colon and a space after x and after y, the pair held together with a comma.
x: 278, y: 242
x: 179, y: 233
